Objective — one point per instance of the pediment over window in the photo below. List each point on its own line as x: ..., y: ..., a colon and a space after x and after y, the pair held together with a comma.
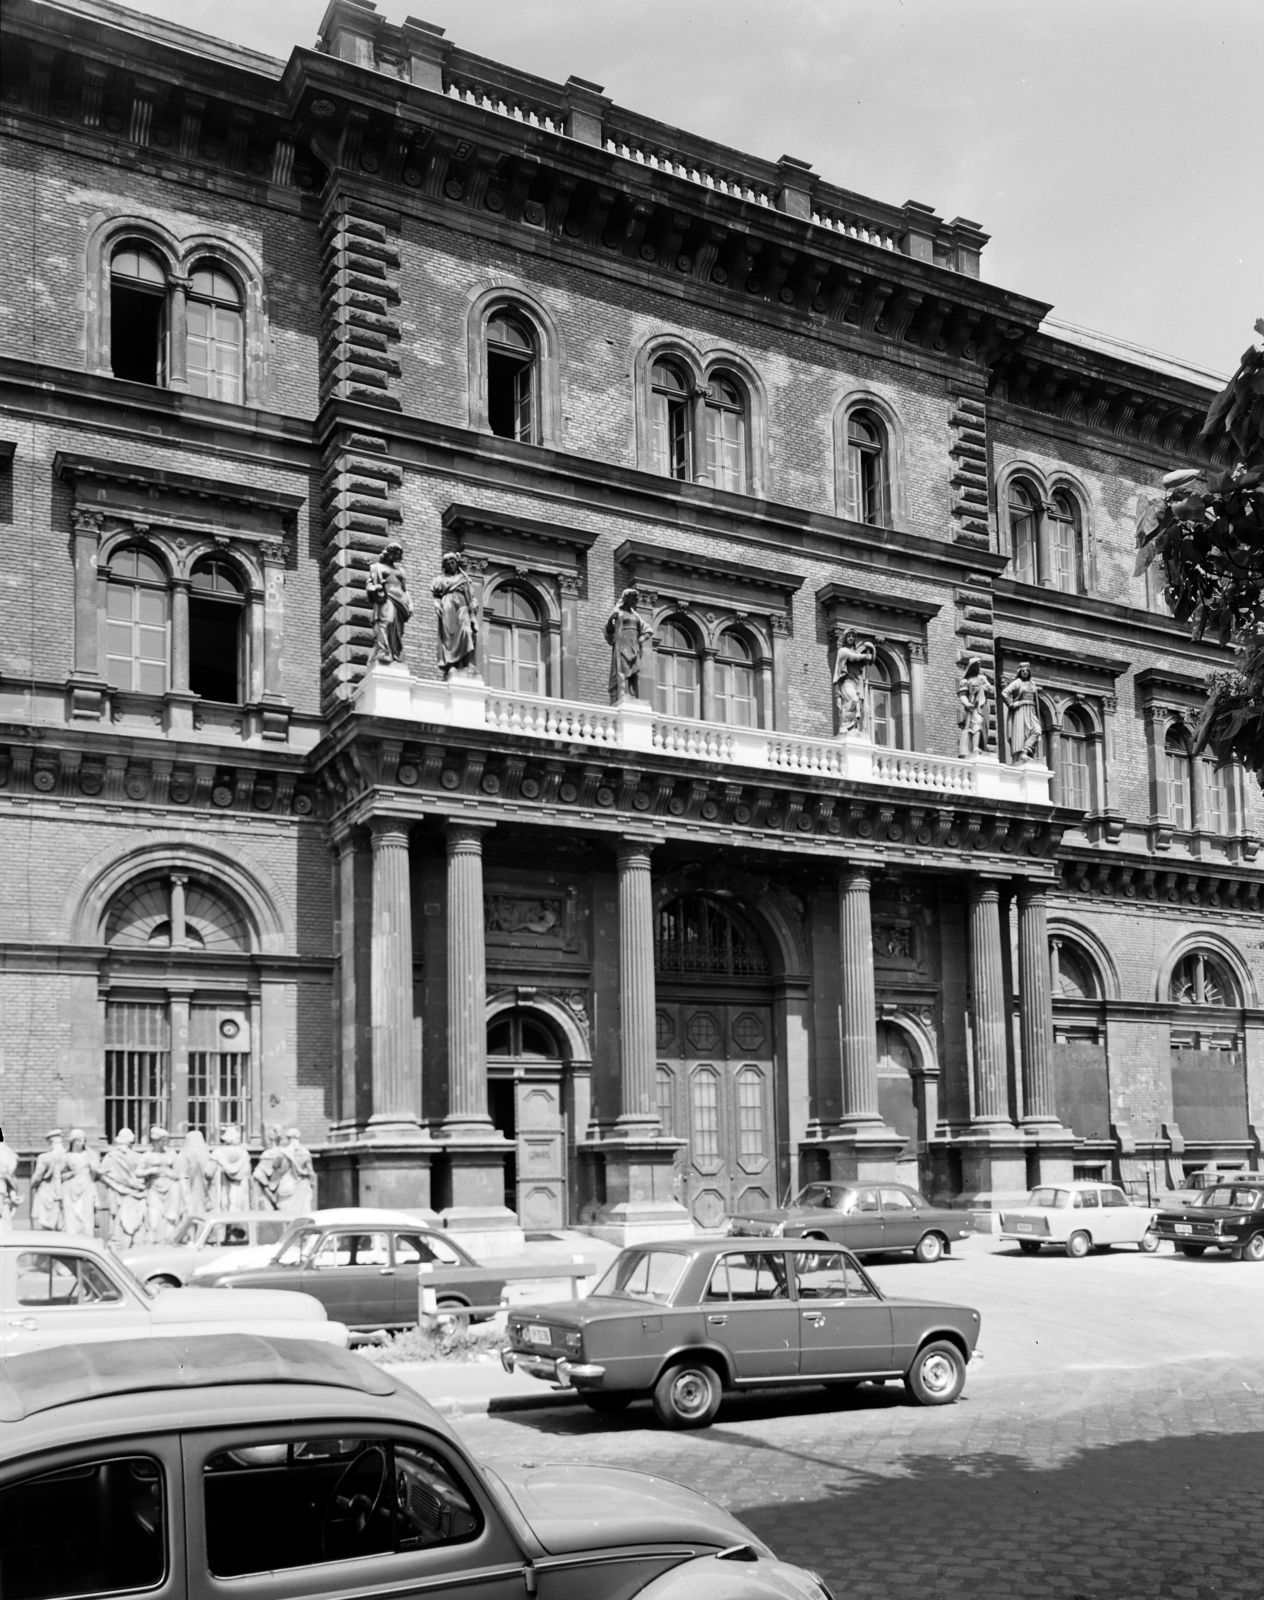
x: 882, y: 616
x: 1162, y: 687
x: 1062, y: 667
x: 519, y: 542
x: 690, y: 576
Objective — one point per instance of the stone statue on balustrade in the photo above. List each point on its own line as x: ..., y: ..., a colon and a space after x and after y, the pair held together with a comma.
x: 972, y: 717
x: 158, y: 1170
x: 196, y: 1173
x: 10, y: 1195
x: 46, y: 1184
x: 627, y: 634
x: 851, y: 683
x: 1023, y: 733
x: 78, y: 1186
x: 387, y: 591
x: 456, y: 619
x: 124, y: 1191
x: 231, y: 1162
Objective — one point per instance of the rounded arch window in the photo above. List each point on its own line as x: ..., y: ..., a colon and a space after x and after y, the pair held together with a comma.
x: 175, y: 911
x: 724, y: 429
x: 697, y: 934
x: 677, y: 679
x: 883, y: 705
x: 1066, y: 556
x: 1220, y: 789
x: 512, y: 378
x: 517, y: 1035
x: 1203, y: 979
x: 868, y: 497
x: 217, y: 609
x: 1074, y: 759
x: 1024, y: 513
x: 515, y: 641
x: 138, y: 315
x: 137, y: 622
x: 736, y: 697
x: 215, y: 339
x: 670, y: 431
x: 1178, y: 777
x: 1073, y: 974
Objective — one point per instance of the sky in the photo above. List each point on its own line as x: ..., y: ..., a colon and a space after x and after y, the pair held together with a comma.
x: 1113, y: 149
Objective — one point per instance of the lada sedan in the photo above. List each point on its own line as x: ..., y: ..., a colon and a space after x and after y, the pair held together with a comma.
x: 60, y: 1288
x: 681, y: 1322
x: 267, y: 1468
x: 871, y: 1219
x: 201, y: 1241
x: 1079, y: 1217
x: 1229, y: 1217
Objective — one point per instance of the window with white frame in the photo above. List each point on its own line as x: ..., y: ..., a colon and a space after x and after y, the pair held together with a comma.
x: 216, y: 334
x: 217, y: 610
x: 138, y: 315
x: 1074, y: 754
x: 1023, y: 507
x: 514, y: 634
x: 867, y: 469
x: 1066, y: 543
x: 168, y: 331
x: 512, y: 378
x: 1178, y: 771
x: 138, y: 622
x: 736, y: 687
x: 677, y: 672
x: 1219, y: 795
x: 671, y: 430
x: 724, y: 427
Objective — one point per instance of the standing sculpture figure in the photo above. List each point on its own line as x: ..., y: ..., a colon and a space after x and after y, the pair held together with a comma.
x: 46, y: 1184
x: 456, y: 619
x: 78, y: 1186
x: 195, y: 1172
x: 296, y: 1192
x: 9, y: 1193
x: 125, y: 1193
x: 972, y: 717
x: 231, y: 1161
x: 627, y: 633
x: 268, y: 1169
x: 851, y: 683
x: 387, y: 590
x: 1022, y: 720
x: 158, y: 1171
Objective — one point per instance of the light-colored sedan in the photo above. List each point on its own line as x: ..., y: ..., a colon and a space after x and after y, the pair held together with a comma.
x: 1080, y: 1217
x: 201, y: 1241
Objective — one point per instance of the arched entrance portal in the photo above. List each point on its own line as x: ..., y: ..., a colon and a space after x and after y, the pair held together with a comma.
x: 899, y: 1072
x: 526, y: 1063
x: 716, y: 1072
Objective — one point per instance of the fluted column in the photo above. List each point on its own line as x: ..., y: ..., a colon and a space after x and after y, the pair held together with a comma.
x: 396, y: 1096
x: 987, y: 1003
x: 859, y: 1025
x: 637, y: 1106
x: 467, y: 983
x: 1035, y: 1005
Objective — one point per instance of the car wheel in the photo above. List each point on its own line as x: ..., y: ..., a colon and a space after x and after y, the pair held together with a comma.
x: 687, y: 1395
x: 605, y: 1404
x: 938, y: 1374
x: 451, y: 1317
x: 1079, y: 1244
x: 930, y: 1247
x: 1253, y: 1249
x: 1148, y: 1243
x: 161, y: 1281
x: 1029, y: 1247
x: 1192, y: 1249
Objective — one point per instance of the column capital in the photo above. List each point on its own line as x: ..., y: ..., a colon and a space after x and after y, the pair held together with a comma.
x: 850, y: 877
x: 389, y: 831
x: 631, y: 849
x: 466, y: 838
x: 985, y: 889
x: 1031, y: 891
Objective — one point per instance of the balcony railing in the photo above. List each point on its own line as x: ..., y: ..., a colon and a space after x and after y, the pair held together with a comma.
x: 632, y: 727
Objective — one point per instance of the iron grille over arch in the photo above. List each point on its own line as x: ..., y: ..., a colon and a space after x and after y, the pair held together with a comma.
x: 695, y: 934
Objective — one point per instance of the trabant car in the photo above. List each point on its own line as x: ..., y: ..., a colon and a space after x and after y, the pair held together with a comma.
x: 205, y: 1467
x: 871, y: 1219
x: 682, y: 1321
x: 201, y: 1241
x: 1080, y: 1217
x: 61, y: 1288
x: 1229, y: 1217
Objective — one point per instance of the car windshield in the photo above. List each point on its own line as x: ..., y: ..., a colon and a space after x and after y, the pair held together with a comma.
x: 822, y: 1196
x: 1238, y: 1199
x: 296, y: 1247
x: 1048, y: 1199
x: 643, y: 1275
x: 187, y: 1232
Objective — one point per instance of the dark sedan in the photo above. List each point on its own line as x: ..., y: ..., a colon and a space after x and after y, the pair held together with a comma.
x: 1229, y: 1217
x: 871, y: 1219
x: 368, y: 1277
x: 681, y: 1322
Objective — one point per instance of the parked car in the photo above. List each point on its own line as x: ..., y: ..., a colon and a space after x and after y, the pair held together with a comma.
x: 871, y: 1219
x: 259, y: 1255
x: 187, y: 1467
x: 1229, y: 1217
x: 368, y: 1275
x: 681, y: 1322
x: 1080, y: 1217
x: 61, y: 1288
x: 1197, y: 1183
x: 201, y: 1241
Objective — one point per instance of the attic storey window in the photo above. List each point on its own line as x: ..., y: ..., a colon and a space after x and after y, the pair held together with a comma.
x: 138, y: 316
x: 867, y: 491
x: 512, y: 379
x: 670, y: 430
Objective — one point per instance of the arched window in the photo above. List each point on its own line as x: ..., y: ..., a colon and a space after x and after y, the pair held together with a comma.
x: 1220, y: 789
x: 216, y: 333
x: 138, y: 315
x: 695, y: 934
x: 671, y: 432
x: 677, y: 678
x: 736, y: 698
x: 217, y: 610
x: 1178, y: 777
x: 1074, y: 757
x: 1073, y: 975
x: 868, y: 497
x: 724, y: 423
x: 1066, y: 551
x: 137, y: 610
x: 1202, y: 979
x: 883, y: 706
x: 520, y: 1036
x: 1024, y: 531
x: 515, y: 642
x: 512, y: 379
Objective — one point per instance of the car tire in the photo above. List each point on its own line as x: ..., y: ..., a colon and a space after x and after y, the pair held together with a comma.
x: 930, y: 1247
x: 1253, y: 1248
x: 1148, y: 1243
x: 451, y: 1317
x: 1192, y: 1249
x: 1078, y: 1245
x: 938, y: 1374
x: 1029, y: 1247
x: 604, y: 1404
x: 687, y: 1395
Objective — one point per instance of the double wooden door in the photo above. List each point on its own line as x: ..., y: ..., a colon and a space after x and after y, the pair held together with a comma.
x: 716, y: 1081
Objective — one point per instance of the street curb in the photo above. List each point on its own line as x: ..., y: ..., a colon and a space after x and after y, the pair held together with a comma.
x: 457, y: 1407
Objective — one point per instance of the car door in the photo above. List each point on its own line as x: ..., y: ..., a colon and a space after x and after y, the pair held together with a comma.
x: 411, y: 1251
x: 1122, y: 1222
x: 860, y: 1227
x: 747, y: 1310
x: 350, y: 1273
x: 901, y: 1219
x: 65, y: 1296
x: 844, y: 1325
x: 1086, y: 1214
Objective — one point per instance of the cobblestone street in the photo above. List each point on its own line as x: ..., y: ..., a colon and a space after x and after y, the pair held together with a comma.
x: 1121, y: 1455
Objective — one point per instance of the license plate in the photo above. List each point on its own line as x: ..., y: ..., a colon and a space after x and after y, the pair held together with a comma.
x: 537, y: 1334
x: 1026, y: 1227
x: 1184, y: 1227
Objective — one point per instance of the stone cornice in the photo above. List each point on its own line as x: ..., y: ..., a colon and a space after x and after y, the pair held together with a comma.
x: 667, y: 568
x: 139, y: 489
x: 459, y: 518
x: 1076, y: 661
x: 1103, y: 621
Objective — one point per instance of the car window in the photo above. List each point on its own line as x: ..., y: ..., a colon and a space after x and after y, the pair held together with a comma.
x: 187, y: 1232
x: 63, y: 1280
x: 235, y: 1233
x: 297, y: 1248
x: 309, y: 1501
x: 351, y: 1250
x: 829, y: 1276
x: 748, y: 1277
x: 270, y: 1232
x: 896, y: 1200
x: 1114, y: 1197
x: 1049, y: 1199
x: 99, y: 1527
x: 644, y: 1275
x: 866, y: 1200
x: 411, y: 1249
x: 822, y: 1196
x: 1085, y: 1200
x: 1236, y: 1198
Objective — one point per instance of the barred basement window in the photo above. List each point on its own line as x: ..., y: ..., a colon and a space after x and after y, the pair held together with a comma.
x: 137, y: 1067
x: 512, y: 373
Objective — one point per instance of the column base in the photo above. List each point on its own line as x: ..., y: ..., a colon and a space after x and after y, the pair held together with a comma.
x: 1050, y: 1152
x: 471, y: 1186
x: 868, y: 1152
x: 640, y: 1201
x: 375, y: 1172
x: 993, y: 1166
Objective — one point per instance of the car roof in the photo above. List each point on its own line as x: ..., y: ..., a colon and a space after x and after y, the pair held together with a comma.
x: 251, y: 1216
x: 48, y: 1239
x: 712, y: 1247
x: 349, y: 1215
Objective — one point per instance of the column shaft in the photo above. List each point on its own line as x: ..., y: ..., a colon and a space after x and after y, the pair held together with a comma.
x: 859, y: 1025
x: 1035, y: 1006
x: 467, y: 979
x: 987, y: 1003
x: 88, y: 609
x: 395, y: 1087
x: 637, y: 1048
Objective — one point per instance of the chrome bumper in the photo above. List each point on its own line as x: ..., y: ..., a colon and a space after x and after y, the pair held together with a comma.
x: 552, y: 1369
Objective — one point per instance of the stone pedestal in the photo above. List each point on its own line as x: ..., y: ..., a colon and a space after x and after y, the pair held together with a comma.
x: 355, y: 1171
x: 470, y: 1186
x: 993, y: 1165
x: 640, y: 1203
x: 868, y: 1153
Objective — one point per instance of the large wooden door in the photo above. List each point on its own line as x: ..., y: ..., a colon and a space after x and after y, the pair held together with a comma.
x: 541, y: 1154
x: 716, y: 1092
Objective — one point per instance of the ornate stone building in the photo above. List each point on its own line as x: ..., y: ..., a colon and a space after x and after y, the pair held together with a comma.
x: 501, y: 946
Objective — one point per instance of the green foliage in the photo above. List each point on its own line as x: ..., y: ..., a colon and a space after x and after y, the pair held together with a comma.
x: 1207, y: 535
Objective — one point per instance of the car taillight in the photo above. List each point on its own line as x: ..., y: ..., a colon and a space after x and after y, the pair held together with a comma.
x: 575, y: 1342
